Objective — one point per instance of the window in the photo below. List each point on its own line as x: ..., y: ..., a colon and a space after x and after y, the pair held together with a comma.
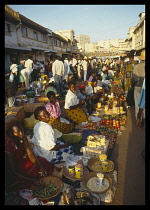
x: 7, y: 28
x: 55, y: 42
x: 35, y: 36
x: 60, y: 43
x: 24, y: 31
x: 43, y: 38
x: 50, y: 41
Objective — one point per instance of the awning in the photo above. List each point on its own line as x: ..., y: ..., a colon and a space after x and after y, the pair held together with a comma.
x: 17, y: 47
x: 42, y: 49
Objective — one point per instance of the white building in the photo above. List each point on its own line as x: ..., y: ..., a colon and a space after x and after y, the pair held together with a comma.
x: 136, y: 34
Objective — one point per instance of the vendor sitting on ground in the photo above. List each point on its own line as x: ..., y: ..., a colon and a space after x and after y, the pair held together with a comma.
x: 51, y: 87
x: 94, y: 89
x: 54, y: 110
x: 91, y: 77
x: 26, y: 167
x: 104, y: 86
x: 83, y: 96
x: 105, y: 75
x: 73, y: 107
x: 44, y: 138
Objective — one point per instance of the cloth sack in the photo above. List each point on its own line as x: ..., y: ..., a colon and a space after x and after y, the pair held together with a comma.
x: 30, y: 122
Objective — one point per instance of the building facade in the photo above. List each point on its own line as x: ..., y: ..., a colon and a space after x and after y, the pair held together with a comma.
x: 24, y: 37
x: 69, y: 35
x: 136, y: 34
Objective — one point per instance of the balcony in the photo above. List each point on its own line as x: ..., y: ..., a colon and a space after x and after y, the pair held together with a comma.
x: 68, y: 49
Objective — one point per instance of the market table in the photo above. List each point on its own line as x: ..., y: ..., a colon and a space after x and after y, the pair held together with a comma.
x: 100, y: 112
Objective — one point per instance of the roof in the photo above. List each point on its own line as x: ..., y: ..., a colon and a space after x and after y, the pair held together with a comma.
x: 58, y: 37
x: 11, y: 15
x: 32, y: 24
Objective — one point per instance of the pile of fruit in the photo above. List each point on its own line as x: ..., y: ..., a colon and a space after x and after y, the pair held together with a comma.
x: 117, y: 90
x: 91, y: 125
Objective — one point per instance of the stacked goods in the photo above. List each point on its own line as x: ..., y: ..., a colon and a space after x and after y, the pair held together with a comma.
x: 95, y: 141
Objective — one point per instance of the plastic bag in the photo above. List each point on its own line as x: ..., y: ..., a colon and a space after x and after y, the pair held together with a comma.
x: 11, y: 78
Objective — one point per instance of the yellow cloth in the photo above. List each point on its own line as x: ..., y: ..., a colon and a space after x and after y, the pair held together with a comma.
x: 77, y: 115
x: 61, y: 126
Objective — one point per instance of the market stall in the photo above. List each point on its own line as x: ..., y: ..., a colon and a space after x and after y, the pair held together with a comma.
x: 89, y: 178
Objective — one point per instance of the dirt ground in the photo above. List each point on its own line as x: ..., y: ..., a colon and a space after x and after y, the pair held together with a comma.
x: 129, y: 163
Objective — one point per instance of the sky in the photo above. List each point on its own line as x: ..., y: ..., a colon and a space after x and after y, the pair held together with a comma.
x: 100, y: 22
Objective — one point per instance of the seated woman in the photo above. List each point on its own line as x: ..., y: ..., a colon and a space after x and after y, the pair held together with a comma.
x: 44, y: 138
x: 73, y: 106
x: 25, y: 167
x: 91, y: 77
x: 54, y: 110
x: 50, y: 87
x: 102, y: 84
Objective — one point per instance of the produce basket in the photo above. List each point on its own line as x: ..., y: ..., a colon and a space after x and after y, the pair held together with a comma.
x: 72, y: 137
x: 94, y: 165
x: 72, y: 176
x: 55, y: 181
x: 94, y: 174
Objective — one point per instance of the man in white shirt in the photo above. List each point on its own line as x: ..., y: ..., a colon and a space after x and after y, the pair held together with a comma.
x: 14, y: 71
x: 74, y: 67
x: 26, y: 72
x: 66, y: 70
x: 58, y: 72
x: 85, y: 64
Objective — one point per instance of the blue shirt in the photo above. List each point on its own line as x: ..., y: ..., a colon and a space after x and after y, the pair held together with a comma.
x: 81, y: 96
x: 141, y: 101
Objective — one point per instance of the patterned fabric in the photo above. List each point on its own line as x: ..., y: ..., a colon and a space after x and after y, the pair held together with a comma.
x: 61, y: 126
x: 60, y: 153
x: 77, y: 115
x: 54, y: 110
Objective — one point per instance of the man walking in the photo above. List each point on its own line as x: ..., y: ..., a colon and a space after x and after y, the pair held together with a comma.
x: 58, y: 72
x: 27, y: 70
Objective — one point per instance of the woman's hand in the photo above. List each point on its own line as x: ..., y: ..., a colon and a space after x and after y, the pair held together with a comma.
x: 42, y: 171
x: 138, y: 122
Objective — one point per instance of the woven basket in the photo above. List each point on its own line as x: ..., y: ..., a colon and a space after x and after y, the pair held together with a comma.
x: 50, y: 179
x: 72, y: 176
x: 72, y: 137
x: 94, y: 165
x: 94, y: 174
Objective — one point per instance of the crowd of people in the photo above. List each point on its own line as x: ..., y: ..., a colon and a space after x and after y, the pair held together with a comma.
x: 95, y: 75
